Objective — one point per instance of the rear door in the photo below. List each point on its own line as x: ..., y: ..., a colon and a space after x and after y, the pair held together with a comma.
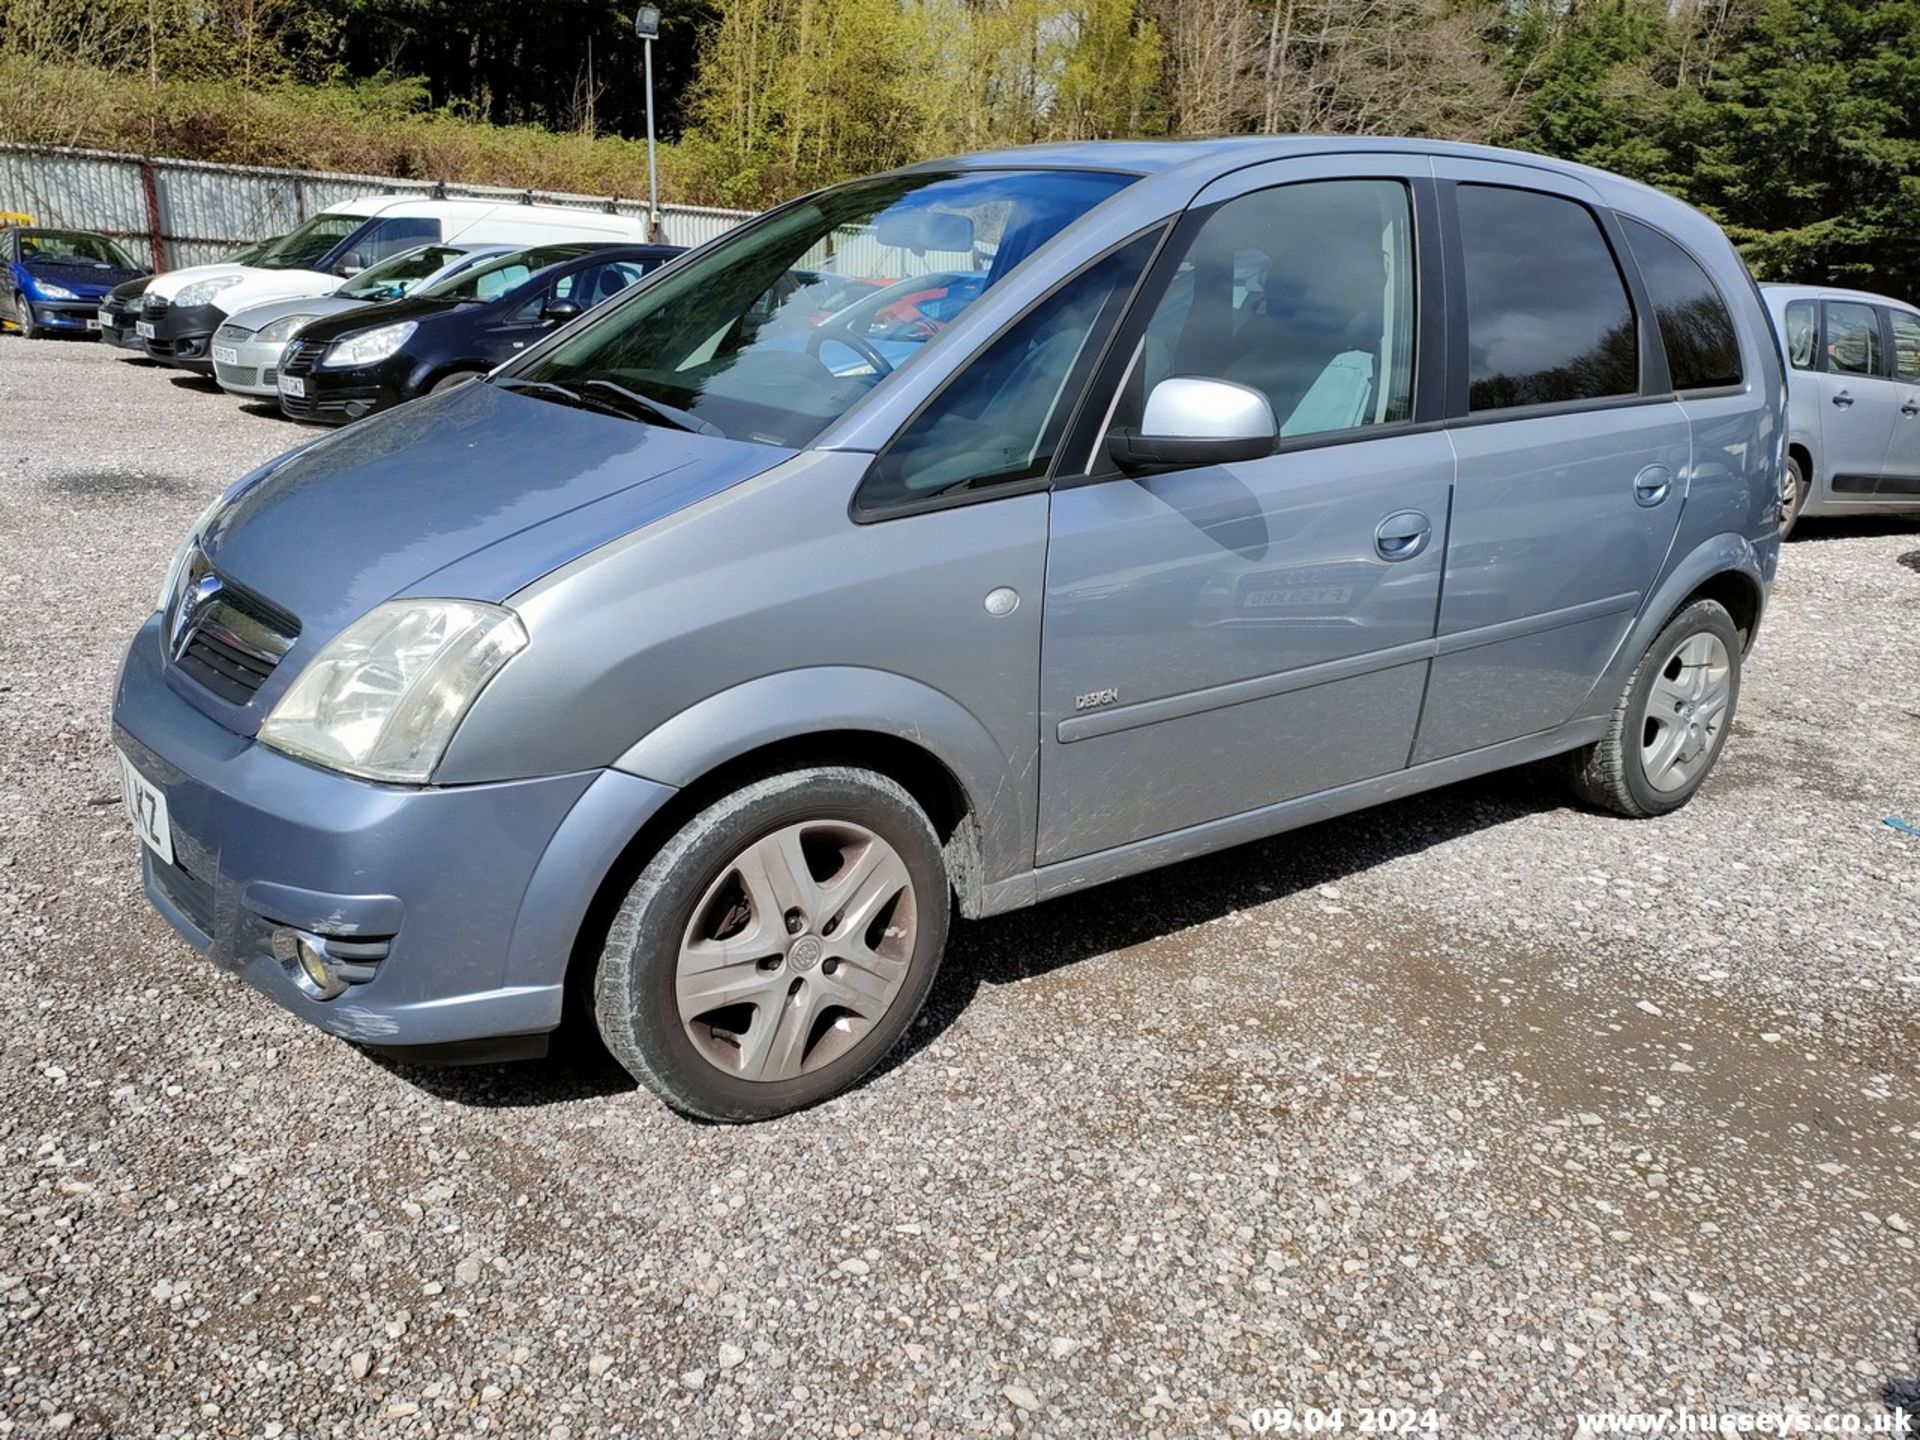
x: 1573, y: 455
x: 1228, y: 637
x: 1858, y: 399
x: 1900, y: 479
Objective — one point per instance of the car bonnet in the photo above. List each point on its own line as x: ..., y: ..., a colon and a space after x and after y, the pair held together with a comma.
x: 512, y: 486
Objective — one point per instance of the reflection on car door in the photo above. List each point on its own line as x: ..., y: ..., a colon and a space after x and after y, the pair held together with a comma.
x: 1857, y: 400
x: 1900, y: 477
x: 1227, y: 637
x: 1570, y: 482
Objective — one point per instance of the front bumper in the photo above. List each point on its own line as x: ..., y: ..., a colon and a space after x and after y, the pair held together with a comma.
x: 182, y: 334
x: 255, y: 366
x: 116, y: 325
x: 335, y: 396
x: 478, y: 892
x: 64, y: 314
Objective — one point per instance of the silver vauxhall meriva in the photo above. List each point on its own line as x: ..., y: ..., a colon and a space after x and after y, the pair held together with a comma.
x: 696, y: 667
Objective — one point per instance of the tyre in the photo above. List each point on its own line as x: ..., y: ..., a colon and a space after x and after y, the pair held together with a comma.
x: 454, y: 381
x: 1793, y: 495
x: 1671, y: 722
x: 30, y: 328
x: 777, y: 946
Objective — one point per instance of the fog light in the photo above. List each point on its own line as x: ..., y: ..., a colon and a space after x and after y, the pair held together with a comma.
x: 307, y: 959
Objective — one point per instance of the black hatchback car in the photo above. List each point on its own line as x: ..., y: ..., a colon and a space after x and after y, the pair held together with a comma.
x: 342, y: 367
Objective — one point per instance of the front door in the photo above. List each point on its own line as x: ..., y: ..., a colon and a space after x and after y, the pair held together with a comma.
x: 1231, y: 636
x: 1858, y: 404
x: 1572, y: 473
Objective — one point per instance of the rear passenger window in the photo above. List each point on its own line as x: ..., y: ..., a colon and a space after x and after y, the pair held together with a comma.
x: 390, y: 237
x: 1906, y: 344
x: 1304, y: 292
x: 1802, y: 333
x: 1853, y: 339
x: 1695, y: 327
x: 1548, y: 318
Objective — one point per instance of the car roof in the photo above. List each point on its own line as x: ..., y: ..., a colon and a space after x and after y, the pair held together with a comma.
x: 1788, y: 290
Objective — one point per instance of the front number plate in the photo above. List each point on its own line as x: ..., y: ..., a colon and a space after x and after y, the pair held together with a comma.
x: 226, y: 355
x: 293, y: 385
x: 147, y: 808
x: 143, y: 328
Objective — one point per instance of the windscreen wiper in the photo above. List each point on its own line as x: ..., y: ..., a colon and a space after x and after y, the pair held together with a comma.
x: 659, y: 409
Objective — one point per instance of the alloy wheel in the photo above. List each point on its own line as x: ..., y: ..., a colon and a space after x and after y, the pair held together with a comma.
x: 1686, y: 711
x: 797, y: 950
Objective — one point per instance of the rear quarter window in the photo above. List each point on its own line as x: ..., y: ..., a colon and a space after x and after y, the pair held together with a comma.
x: 1696, y: 328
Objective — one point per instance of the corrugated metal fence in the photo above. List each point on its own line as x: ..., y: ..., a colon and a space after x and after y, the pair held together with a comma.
x: 174, y: 213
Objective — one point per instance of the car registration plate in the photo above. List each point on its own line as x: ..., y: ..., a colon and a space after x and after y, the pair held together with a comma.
x: 293, y: 385
x: 147, y: 808
x: 226, y: 355
x: 143, y: 328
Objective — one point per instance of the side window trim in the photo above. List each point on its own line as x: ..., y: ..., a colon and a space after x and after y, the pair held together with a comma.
x: 1084, y: 443
x: 1654, y: 386
x: 1074, y: 407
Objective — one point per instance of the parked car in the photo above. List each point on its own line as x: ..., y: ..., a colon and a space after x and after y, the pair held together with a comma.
x: 119, y: 311
x: 247, y: 348
x: 344, y: 367
x: 1853, y: 405
x: 54, y: 278
x: 681, y: 673
x: 181, y: 310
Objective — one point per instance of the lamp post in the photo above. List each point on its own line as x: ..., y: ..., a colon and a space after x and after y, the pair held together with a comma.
x: 646, y: 25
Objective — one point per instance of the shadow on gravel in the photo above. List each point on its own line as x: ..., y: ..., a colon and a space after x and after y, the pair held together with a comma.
x: 1812, y: 529
x: 116, y: 484
x: 1037, y: 941
x: 199, y: 384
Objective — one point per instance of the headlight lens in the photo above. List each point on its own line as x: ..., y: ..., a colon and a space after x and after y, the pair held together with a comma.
x: 202, y: 291
x: 368, y: 347
x: 54, y: 292
x: 182, y: 551
x: 384, y: 698
x: 282, y: 330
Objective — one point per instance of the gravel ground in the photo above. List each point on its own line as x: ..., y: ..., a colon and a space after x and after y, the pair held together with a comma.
x: 1477, y: 1102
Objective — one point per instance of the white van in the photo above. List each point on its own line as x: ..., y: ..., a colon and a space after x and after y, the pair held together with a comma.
x: 181, y: 309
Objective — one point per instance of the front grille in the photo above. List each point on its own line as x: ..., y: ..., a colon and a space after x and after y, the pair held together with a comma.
x: 300, y: 357
x: 224, y: 638
x: 190, y: 895
x: 269, y: 376
x: 248, y: 375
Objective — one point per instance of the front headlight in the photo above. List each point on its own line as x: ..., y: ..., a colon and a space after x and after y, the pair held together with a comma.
x: 384, y: 698
x: 202, y: 291
x: 282, y: 330
x: 53, y: 292
x: 367, y: 347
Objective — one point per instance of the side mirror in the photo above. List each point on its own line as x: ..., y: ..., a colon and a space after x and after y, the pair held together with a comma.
x: 351, y: 264
x: 1190, y: 420
x: 558, y: 312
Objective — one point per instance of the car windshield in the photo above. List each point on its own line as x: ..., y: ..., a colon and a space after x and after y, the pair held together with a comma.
x: 736, y: 342
x: 303, y: 247
x: 395, y: 276
x: 71, y: 247
x: 495, y: 277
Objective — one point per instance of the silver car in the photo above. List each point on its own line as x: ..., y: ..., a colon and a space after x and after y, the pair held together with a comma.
x: 1853, y: 401
x: 695, y: 668
x: 248, y: 345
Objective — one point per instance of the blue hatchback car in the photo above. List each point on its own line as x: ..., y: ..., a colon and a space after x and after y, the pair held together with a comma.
x: 695, y: 681
x: 56, y: 279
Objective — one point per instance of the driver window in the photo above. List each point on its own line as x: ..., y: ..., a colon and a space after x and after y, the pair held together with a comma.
x: 1303, y: 292
x: 999, y: 420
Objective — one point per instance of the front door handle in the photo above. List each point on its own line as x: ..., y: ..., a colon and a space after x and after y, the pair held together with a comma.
x: 1912, y: 406
x: 1402, y: 535
x: 1842, y: 399
x: 1652, y: 485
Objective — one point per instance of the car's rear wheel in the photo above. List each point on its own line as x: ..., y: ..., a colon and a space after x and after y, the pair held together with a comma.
x: 1672, y: 721
x: 1793, y: 495
x: 777, y: 946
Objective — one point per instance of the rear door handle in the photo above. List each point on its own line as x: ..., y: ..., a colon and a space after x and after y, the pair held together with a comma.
x: 1842, y: 399
x: 1402, y: 535
x: 1652, y: 485
x: 1912, y: 406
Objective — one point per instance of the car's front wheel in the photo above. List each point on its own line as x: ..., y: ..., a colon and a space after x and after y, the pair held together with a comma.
x: 30, y: 328
x: 1672, y: 721
x: 775, y: 949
